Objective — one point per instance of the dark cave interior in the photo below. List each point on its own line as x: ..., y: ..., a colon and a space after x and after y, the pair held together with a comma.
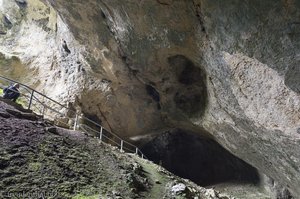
x: 199, y: 159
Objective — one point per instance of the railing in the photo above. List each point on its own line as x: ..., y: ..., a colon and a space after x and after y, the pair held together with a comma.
x: 63, y: 116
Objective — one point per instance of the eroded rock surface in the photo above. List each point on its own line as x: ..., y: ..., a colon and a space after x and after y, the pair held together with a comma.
x: 229, y: 68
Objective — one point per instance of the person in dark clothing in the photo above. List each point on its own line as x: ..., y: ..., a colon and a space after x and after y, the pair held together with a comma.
x: 12, y: 92
x: 65, y: 46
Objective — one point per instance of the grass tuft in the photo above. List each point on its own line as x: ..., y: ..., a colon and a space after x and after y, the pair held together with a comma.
x: 80, y: 196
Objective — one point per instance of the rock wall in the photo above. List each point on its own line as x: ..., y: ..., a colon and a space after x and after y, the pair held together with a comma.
x: 225, y: 69
x: 254, y: 101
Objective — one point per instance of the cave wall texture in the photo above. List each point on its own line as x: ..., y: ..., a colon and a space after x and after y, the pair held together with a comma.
x: 226, y: 69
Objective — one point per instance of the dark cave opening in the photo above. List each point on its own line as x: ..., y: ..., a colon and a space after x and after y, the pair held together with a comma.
x: 199, y: 159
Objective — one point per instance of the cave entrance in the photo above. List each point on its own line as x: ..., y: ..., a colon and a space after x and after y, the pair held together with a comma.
x: 199, y: 159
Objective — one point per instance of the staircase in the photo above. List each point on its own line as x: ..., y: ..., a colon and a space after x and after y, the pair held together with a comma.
x: 62, y: 116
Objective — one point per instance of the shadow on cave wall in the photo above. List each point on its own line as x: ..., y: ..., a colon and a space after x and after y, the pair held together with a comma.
x: 201, y: 160
x: 292, y: 77
x: 191, y: 94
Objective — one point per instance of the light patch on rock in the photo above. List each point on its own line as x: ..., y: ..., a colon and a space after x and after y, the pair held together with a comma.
x: 262, y: 94
x: 178, y: 188
x: 39, y: 39
x: 27, y: 40
x: 107, y: 64
x: 35, y: 38
x: 121, y: 24
x: 211, y: 193
x: 223, y: 135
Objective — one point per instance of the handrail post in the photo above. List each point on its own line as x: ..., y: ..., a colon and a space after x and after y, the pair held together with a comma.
x: 75, y: 123
x: 101, y: 132
x: 122, y: 143
x: 142, y: 156
x: 136, y: 151
x: 30, y: 101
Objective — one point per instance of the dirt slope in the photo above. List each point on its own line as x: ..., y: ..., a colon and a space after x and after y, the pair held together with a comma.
x: 37, y: 162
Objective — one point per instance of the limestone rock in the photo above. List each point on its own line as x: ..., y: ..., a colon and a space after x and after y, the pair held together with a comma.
x: 18, y: 114
x: 178, y: 188
x: 52, y: 129
x: 211, y: 193
x: 62, y: 122
x: 5, y: 115
x: 14, y: 112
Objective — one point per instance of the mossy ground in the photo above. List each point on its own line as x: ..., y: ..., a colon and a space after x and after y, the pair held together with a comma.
x: 85, y: 197
x: 68, y: 164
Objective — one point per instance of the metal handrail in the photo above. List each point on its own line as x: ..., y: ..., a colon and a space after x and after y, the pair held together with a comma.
x: 31, y: 89
x: 33, y: 98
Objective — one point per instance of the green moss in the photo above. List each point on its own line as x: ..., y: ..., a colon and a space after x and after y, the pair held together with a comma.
x: 22, y: 102
x: 35, y: 166
x: 80, y: 196
x: 69, y: 166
